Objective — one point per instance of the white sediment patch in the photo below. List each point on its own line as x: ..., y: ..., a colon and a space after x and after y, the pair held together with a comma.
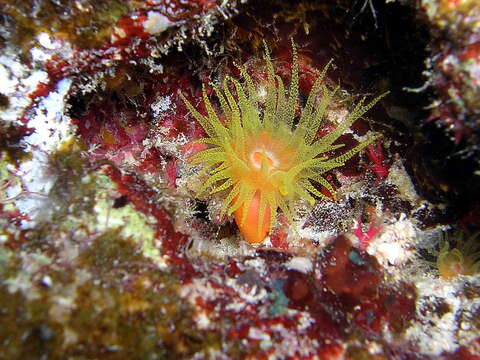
x: 395, y: 244
x: 51, y: 128
x: 444, y: 314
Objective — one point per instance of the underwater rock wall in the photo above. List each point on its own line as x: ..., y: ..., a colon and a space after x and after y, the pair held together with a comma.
x: 113, y: 241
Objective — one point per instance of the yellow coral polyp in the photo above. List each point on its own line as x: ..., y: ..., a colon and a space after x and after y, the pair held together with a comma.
x: 262, y: 155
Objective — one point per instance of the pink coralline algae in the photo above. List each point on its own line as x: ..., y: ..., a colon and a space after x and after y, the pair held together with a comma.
x: 366, y: 237
x: 376, y: 155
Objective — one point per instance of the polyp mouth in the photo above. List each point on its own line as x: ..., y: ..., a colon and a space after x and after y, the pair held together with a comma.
x: 261, y: 156
x: 270, y: 152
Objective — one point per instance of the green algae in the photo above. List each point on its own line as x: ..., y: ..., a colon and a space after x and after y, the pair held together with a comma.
x: 84, y: 198
x: 280, y: 300
x: 89, y: 281
x: 85, y: 24
x: 130, y: 224
x: 142, y: 319
x: 71, y: 193
x: 24, y: 333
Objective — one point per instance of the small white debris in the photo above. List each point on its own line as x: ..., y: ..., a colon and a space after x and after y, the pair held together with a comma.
x: 46, y: 41
x: 161, y: 104
x: 47, y: 281
x: 257, y: 334
x: 202, y: 320
x: 156, y: 23
x: 299, y: 263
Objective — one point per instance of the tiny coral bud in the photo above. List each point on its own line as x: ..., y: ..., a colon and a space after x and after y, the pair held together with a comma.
x: 464, y: 259
x: 264, y: 156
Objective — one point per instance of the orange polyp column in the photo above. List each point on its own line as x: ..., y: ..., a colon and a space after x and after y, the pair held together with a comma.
x: 249, y: 229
